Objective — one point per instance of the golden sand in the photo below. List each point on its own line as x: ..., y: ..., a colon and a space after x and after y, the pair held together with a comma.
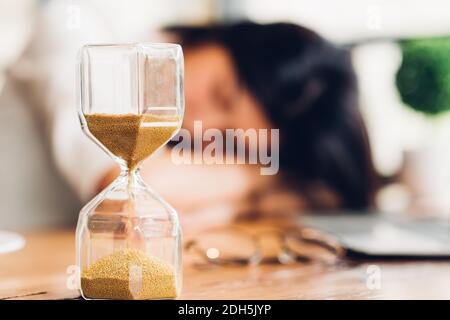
x: 132, y: 137
x: 129, y: 274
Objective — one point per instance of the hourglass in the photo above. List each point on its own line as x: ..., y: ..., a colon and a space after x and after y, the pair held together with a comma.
x: 131, y: 104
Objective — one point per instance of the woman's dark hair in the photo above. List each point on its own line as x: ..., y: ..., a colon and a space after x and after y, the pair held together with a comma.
x: 308, y: 90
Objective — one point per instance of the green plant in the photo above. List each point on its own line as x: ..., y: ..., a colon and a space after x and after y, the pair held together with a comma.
x: 423, y: 78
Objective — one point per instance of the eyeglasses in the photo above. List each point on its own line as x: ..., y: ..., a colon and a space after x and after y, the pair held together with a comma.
x: 234, y: 245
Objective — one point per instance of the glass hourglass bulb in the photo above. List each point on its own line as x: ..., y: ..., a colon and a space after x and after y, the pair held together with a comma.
x: 131, y: 104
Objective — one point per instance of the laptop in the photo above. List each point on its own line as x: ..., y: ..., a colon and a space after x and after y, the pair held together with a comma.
x: 381, y: 235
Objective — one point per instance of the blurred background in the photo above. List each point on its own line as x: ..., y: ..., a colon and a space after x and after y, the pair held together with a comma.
x: 405, y: 110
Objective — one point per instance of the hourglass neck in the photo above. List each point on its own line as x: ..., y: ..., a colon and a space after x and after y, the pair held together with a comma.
x: 132, y: 179
x: 130, y: 174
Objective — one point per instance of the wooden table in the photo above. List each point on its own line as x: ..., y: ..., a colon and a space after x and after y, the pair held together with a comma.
x: 39, y: 272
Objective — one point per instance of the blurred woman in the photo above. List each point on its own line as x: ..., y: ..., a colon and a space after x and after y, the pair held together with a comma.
x: 246, y: 75
x: 284, y: 76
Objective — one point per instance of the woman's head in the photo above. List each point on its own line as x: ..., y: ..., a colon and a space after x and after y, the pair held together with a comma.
x: 214, y: 92
x: 284, y: 76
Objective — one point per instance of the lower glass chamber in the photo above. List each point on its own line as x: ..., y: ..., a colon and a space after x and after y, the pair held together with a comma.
x: 129, y: 244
